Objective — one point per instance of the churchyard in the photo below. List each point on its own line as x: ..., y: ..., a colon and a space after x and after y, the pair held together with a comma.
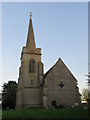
x: 46, y: 113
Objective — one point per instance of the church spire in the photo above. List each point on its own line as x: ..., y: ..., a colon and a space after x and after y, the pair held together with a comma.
x: 30, y: 38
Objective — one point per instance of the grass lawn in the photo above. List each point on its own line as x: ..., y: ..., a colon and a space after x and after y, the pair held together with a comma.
x: 43, y: 113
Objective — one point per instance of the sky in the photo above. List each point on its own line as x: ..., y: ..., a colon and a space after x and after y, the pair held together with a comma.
x: 89, y: 37
x: 44, y: 0
x: 60, y: 29
x: 0, y: 45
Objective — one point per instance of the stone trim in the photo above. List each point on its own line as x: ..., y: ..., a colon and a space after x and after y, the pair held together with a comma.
x: 32, y: 53
x: 32, y: 87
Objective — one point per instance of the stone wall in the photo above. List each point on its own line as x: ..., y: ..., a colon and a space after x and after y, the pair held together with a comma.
x: 68, y: 95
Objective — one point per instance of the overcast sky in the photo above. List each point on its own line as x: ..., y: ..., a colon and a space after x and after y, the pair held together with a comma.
x: 61, y: 30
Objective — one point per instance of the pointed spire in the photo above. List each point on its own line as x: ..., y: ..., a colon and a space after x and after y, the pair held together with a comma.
x: 30, y: 37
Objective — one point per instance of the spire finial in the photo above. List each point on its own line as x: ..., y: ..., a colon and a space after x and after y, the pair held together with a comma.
x: 30, y: 14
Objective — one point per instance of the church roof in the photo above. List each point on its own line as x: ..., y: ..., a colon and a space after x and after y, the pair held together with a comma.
x: 45, y: 75
x: 30, y: 37
x: 62, y: 63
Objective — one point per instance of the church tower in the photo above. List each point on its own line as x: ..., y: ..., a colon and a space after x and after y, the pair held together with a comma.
x: 29, y: 92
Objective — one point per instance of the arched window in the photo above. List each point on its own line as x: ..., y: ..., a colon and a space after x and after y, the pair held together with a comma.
x: 32, y: 66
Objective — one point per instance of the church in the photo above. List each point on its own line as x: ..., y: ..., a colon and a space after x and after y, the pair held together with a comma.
x: 36, y: 89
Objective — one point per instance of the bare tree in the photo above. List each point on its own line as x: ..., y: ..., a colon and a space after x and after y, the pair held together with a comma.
x: 84, y: 93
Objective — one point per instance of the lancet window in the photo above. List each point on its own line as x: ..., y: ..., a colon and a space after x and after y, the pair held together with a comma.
x: 31, y: 82
x: 32, y: 66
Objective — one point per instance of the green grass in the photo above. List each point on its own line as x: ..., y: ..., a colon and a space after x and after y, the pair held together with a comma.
x: 43, y: 113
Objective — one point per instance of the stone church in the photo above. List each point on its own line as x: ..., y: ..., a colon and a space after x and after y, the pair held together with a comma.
x: 36, y: 89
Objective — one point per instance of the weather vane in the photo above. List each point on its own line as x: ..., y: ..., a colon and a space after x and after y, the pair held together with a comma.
x: 30, y: 14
